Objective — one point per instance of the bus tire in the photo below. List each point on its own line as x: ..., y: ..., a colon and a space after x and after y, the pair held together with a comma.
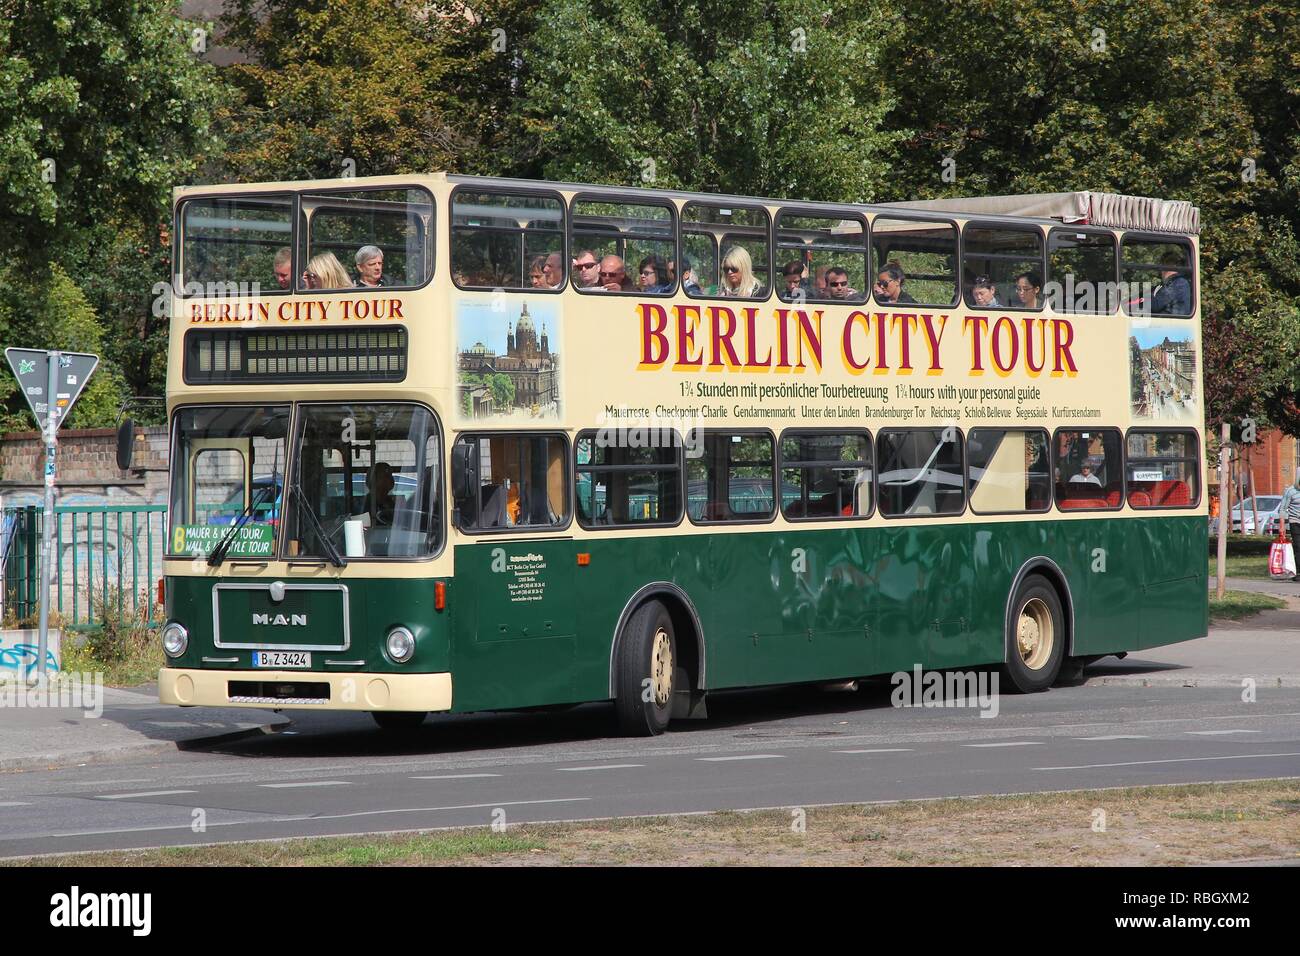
x: 647, y: 655
x: 399, y: 719
x: 1036, y: 636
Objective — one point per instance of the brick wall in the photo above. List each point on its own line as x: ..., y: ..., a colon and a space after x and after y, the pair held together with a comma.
x: 87, y: 466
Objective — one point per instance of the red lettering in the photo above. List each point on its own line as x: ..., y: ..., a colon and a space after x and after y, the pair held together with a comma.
x: 721, y: 337
x: 654, y: 343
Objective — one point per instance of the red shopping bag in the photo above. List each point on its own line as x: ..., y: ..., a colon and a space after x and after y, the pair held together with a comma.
x: 1281, y: 558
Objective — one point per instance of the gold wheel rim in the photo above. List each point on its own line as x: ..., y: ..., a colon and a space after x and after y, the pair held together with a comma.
x: 1035, y: 634
x: 661, y: 667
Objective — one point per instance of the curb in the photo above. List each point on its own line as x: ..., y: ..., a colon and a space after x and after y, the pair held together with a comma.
x: 71, y: 758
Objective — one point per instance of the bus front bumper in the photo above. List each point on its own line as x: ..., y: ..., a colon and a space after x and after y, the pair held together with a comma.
x: 304, y: 690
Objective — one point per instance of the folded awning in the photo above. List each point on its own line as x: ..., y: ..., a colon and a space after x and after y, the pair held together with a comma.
x: 1077, y: 208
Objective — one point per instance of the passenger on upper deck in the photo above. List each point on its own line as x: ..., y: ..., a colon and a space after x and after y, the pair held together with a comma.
x: 536, y: 276
x: 1029, y: 285
x: 738, y: 277
x: 370, y: 267
x: 613, y: 275
x: 689, y: 283
x: 553, y: 271
x: 837, y: 283
x: 652, y: 275
x: 1174, y: 297
x: 792, y: 276
x: 585, y: 270
x: 283, y: 267
x: 985, y: 293
x: 889, y: 285
x: 326, y: 272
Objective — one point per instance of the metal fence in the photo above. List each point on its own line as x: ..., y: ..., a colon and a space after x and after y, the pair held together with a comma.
x: 108, y: 559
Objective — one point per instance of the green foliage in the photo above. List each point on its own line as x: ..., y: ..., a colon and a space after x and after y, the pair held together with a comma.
x: 49, y: 311
x: 782, y: 98
x: 103, y: 108
x: 330, y: 81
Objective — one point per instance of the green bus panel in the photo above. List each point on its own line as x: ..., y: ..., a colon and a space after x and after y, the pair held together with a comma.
x: 526, y: 625
x: 516, y: 617
x: 375, y: 607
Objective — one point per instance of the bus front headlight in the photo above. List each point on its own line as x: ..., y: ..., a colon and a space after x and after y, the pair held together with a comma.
x: 400, y: 645
x: 175, y: 639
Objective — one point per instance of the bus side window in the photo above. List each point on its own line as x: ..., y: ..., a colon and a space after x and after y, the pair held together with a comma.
x: 497, y: 238
x: 920, y: 472
x: 621, y: 236
x: 734, y: 478
x: 516, y: 483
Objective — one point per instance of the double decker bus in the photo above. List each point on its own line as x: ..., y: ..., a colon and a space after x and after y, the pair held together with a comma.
x: 447, y: 444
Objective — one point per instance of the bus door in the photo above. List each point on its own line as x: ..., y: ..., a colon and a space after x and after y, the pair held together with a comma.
x: 517, y: 620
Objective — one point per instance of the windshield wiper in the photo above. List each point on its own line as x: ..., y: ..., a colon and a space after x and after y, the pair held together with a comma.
x: 219, y: 552
x: 299, y: 496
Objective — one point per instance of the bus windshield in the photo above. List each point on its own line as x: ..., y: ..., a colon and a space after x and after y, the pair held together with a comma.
x: 368, y: 473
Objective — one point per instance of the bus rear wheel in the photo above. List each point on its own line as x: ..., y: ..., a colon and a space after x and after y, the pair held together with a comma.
x: 647, y: 664
x: 1036, y: 639
x: 398, y: 719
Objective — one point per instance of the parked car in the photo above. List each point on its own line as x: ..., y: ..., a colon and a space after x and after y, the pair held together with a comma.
x: 1243, y: 515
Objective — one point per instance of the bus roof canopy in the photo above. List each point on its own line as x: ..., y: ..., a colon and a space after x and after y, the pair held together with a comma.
x: 1077, y: 208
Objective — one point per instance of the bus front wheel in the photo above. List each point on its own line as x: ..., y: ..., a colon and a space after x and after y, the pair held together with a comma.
x: 647, y: 664
x: 398, y: 719
x: 1036, y: 642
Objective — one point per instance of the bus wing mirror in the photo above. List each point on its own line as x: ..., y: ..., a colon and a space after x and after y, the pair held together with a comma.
x: 125, y: 443
x: 464, y: 468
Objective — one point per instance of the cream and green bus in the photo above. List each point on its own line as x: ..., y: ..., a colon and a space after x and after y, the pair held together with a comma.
x: 448, y: 444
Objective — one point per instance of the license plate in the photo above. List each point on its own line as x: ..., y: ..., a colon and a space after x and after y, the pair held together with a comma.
x: 300, y: 659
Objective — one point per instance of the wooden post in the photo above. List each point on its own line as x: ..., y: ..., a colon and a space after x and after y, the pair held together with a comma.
x: 1225, y: 506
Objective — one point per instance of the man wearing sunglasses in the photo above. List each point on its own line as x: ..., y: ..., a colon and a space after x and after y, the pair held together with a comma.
x: 613, y: 275
x: 585, y: 270
x: 837, y: 284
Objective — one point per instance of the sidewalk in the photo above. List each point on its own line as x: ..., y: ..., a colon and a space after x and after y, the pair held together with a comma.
x: 131, y: 724
x: 1264, y: 647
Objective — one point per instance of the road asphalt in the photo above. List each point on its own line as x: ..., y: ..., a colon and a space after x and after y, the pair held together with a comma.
x: 116, y: 723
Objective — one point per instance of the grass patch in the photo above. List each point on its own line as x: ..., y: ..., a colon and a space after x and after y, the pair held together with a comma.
x: 1241, y: 566
x: 1237, y: 605
x: 1143, y: 826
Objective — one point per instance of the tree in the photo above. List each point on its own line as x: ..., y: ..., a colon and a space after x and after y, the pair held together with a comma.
x: 337, y: 88
x: 103, y: 108
x: 503, y: 391
x: 779, y: 98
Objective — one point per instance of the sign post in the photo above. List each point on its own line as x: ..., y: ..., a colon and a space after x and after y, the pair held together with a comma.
x: 51, y: 382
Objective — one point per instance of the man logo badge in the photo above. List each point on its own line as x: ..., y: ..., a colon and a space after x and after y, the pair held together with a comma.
x: 281, y: 620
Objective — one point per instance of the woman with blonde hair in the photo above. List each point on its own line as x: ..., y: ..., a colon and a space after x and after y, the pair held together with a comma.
x: 326, y: 272
x: 738, y: 275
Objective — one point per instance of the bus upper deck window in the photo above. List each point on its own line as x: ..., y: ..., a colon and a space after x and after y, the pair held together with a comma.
x: 631, y: 244
x: 1011, y: 260
x: 717, y: 237
x: 1157, y: 276
x: 365, y: 239
x: 821, y: 258
x: 507, y: 241
x: 236, y: 245
x: 913, y: 262
x: 1082, y: 271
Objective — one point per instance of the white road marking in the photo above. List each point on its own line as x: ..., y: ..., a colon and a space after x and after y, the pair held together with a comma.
x: 307, y: 783
x: 147, y: 793
x: 743, y: 757
x: 604, y: 766
x: 1118, y: 737
x: 1144, y: 763
x: 1010, y: 743
x: 15, y: 803
x: 457, y: 776
x: 310, y: 818
x: 882, y: 750
x: 1219, y: 733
